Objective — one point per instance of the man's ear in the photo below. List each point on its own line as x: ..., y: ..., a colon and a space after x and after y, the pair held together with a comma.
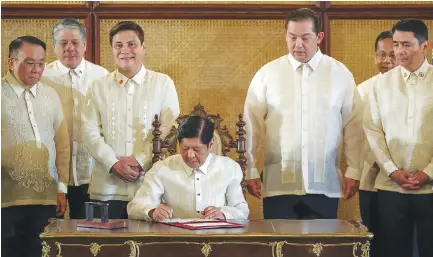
x: 211, y: 144
x: 425, y: 46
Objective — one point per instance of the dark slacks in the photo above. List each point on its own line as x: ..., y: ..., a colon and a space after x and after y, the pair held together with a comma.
x: 368, y: 204
x: 399, y: 214
x: 116, y: 209
x: 21, y: 226
x: 309, y: 206
x: 77, y: 196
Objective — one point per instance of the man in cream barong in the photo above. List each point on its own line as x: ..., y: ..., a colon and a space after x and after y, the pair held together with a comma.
x: 117, y: 119
x: 398, y: 122
x: 70, y: 75
x: 300, y: 109
x: 385, y: 61
x: 35, y: 150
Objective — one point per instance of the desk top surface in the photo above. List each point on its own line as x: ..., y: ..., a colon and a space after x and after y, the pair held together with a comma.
x: 255, y: 228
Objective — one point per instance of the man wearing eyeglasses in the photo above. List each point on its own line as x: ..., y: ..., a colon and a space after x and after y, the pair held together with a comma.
x: 70, y: 75
x: 385, y: 61
x: 35, y: 150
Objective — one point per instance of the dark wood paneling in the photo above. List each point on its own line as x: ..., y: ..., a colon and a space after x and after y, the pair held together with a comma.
x: 196, y: 11
x: 380, y: 12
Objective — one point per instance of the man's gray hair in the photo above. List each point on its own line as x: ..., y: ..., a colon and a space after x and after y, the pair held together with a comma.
x: 68, y: 23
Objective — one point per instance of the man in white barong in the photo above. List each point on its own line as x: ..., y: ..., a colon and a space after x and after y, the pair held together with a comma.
x: 70, y: 75
x: 398, y: 123
x: 385, y: 61
x: 300, y: 110
x: 117, y: 119
x: 193, y: 184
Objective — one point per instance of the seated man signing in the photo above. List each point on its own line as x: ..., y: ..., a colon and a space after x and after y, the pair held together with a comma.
x: 192, y: 184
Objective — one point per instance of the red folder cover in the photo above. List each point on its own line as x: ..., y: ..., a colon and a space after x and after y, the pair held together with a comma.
x: 213, y: 224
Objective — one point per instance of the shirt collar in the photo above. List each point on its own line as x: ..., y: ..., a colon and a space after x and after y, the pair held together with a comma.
x: 138, y: 78
x: 420, y: 73
x: 313, y: 62
x: 203, y: 168
x: 17, y: 87
x: 79, y: 70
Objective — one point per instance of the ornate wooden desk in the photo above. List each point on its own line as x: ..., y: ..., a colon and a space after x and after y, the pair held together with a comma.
x: 276, y: 238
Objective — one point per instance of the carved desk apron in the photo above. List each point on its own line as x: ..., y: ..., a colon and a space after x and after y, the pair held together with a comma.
x: 276, y: 238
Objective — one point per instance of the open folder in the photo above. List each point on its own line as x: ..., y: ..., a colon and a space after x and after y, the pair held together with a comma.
x: 200, y: 223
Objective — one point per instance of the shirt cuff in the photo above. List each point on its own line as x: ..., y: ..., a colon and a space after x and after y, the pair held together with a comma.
x: 353, y: 173
x: 226, y: 213
x: 389, y: 167
x: 110, y: 163
x: 146, y: 214
x: 429, y: 171
x: 62, y: 188
x: 252, y: 174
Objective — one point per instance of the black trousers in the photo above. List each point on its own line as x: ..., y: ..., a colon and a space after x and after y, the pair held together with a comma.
x: 77, y: 196
x: 309, y: 206
x: 21, y: 226
x: 116, y: 209
x: 399, y: 214
x: 368, y: 204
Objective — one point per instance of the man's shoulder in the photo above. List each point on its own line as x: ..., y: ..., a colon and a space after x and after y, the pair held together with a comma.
x: 395, y: 72
x: 335, y: 64
x: 170, y: 162
x: 392, y: 75
x: 46, y: 90
x: 94, y: 68
x: 274, y: 64
x: 225, y: 161
x: 368, y: 82
x: 104, y: 80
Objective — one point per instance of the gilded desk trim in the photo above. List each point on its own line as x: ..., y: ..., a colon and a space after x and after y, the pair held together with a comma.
x: 53, y: 222
x: 276, y: 247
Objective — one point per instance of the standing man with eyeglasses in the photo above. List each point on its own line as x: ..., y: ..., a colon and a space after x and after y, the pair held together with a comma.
x: 70, y: 75
x: 35, y: 150
x: 385, y: 61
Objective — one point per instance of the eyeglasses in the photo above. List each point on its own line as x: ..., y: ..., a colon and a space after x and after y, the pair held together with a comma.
x: 382, y: 56
x: 31, y: 65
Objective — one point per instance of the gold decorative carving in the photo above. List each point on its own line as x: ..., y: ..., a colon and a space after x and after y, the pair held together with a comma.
x: 317, y: 249
x: 276, y: 247
x: 365, y: 249
x: 95, y: 248
x: 278, y: 250
x: 45, y: 249
x: 206, y: 249
x: 59, y: 249
x: 133, y: 249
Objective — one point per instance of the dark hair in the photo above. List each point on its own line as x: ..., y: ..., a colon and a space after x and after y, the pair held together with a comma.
x: 196, y: 126
x: 416, y: 26
x: 383, y: 35
x: 68, y: 23
x: 305, y: 14
x: 17, y: 43
x: 127, y: 25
